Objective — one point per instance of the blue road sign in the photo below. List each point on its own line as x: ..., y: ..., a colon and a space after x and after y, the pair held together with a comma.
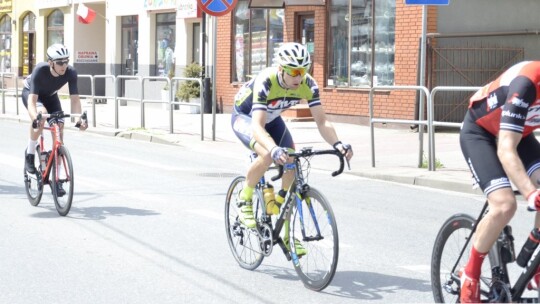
x: 217, y: 7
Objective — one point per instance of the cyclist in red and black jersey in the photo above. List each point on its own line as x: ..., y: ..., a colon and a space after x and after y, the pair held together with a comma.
x: 498, y: 144
x: 40, y: 94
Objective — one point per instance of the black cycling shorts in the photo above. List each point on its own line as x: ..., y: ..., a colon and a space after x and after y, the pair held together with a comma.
x: 241, y: 125
x: 50, y: 103
x: 479, y: 148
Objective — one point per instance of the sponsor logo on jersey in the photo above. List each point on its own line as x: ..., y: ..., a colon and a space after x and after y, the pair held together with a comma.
x: 282, y: 103
x: 492, y: 101
x: 518, y: 102
x: 507, y: 113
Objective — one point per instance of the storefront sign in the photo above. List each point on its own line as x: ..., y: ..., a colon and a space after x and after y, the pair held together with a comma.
x: 5, y: 6
x: 188, y: 9
x: 86, y: 57
x: 160, y: 4
x: 51, y: 3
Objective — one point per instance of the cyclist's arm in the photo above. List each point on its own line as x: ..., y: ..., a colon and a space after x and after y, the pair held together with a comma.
x: 32, y: 106
x: 258, y: 121
x: 76, y: 108
x: 511, y: 162
x: 326, y: 128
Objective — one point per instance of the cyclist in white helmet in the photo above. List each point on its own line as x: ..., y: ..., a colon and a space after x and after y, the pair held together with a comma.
x: 256, y: 119
x: 40, y: 94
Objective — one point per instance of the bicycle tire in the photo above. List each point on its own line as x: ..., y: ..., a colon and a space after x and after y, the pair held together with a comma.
x: 448, y: 245
x: 318, y: 266
x: 33, y: 184
x: 243, y: 242
x: 65, y: 177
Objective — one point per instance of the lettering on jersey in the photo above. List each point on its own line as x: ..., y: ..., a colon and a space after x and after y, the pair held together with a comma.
x: 507, y: 113
x: 534, y: 109
x: 282, y: 104
x: 492, y: 101
x: 518, y: 102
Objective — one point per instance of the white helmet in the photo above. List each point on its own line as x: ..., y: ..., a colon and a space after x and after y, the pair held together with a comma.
x: 57, y: 51
x: 293, y: 55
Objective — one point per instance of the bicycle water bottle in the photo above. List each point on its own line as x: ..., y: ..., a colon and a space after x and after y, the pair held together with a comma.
x: 528, y: 248
x: 270, y: 199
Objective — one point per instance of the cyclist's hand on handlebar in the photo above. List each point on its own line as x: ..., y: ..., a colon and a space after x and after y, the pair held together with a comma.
x: 279, y: 155
x: 533, y: 201
x: 37, y: 122
x: 345, y: 149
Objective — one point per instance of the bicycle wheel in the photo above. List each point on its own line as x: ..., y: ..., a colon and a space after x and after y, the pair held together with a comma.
x: 244, y: 242
x: 62, y: 177
x: 317, y: 267
x: 448, y: 245
x: 33, y: 185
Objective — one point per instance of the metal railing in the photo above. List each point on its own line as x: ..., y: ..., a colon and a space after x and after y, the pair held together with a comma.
x: 420, y: 121
x: 6, y: 91
x: 116, y: 80
x: 434, y: 92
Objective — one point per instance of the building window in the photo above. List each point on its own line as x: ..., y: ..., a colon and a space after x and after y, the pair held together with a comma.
x: 55, y: 28
x: 28, y: 44
x: 5, y: 44
x: 258, y: 33
x: 196, y: 43
x: 165, y: 38
x: 354, y: 50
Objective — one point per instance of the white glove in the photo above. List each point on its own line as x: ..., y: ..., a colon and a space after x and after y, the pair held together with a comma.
x: 277, y: 153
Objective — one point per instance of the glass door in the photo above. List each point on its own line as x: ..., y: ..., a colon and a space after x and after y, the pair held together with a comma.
x: 130, y: 39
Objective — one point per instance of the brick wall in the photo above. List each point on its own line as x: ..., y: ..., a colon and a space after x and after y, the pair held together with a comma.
x: 340, y: 102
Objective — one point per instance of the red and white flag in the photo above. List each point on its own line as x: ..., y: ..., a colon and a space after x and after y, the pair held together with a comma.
x: 86, y: 14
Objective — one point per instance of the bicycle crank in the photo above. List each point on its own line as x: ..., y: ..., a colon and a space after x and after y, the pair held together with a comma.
x: 265, y: 239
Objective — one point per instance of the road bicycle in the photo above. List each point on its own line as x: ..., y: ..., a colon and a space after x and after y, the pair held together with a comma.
x: 53, y: 167
x: 306, y: 216
x: 451, y: 253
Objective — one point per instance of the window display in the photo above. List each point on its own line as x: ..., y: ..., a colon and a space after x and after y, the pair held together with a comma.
x: 258, y: 35
x: 5, y: 44
x: 165, y: 38
x: 351, y: 34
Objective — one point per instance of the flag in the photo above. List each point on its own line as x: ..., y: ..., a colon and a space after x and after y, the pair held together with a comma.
x: 86, y: 14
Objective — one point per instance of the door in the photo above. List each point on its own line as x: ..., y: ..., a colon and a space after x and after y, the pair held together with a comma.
x: 130, y: 39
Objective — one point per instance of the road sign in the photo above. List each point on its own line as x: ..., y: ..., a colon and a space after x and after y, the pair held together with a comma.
x: 217, y: 7
x: 428, y: 2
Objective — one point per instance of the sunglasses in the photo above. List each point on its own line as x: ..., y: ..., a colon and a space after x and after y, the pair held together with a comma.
x: 295, y: 71
x: 61, y: 62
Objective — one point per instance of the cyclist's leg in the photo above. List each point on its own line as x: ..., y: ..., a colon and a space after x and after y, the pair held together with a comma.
x: 529, y: 152
x: 281, y: 135
x: 34, y: 134
x: 480, y: 151
x: 241, y: 125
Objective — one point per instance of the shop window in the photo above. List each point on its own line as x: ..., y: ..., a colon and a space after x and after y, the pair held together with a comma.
x: 258, y: 33
x: 165, y: 39
x: 28, y: 44
x: 354, y: 49
x: 55, y: 28
x: 5, y: 44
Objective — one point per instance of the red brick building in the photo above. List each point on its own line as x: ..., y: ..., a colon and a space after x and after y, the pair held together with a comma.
x: 341, y: 64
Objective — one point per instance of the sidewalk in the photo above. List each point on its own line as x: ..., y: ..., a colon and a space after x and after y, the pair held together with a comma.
x: 397, y: 152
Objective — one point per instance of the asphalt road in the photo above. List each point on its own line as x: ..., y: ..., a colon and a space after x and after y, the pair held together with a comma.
x: 147, y: 226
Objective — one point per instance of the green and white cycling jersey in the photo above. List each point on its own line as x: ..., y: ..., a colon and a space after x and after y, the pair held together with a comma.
x: 265, y: 93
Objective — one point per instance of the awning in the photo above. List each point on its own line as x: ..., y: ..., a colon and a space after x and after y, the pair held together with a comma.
x: 282, y: 3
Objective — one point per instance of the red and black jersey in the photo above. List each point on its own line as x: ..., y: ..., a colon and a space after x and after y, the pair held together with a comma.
x: 511, y: 102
